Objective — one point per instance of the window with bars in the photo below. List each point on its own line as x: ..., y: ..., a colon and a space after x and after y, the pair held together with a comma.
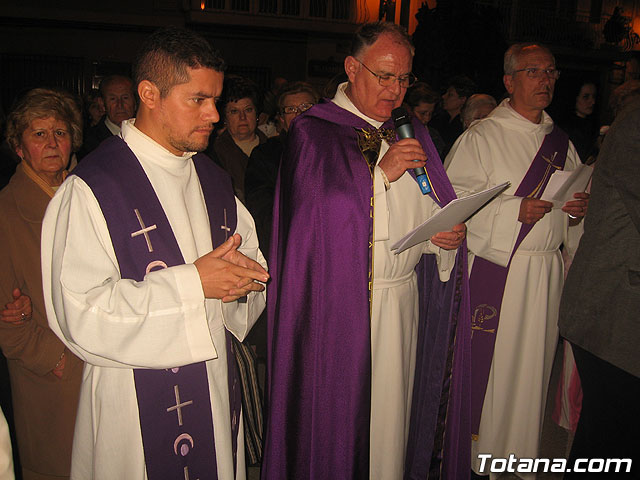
x: 327, y: 9
x: 24, y: 72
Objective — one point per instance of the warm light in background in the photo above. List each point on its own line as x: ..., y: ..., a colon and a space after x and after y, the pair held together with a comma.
x: 202, y: 5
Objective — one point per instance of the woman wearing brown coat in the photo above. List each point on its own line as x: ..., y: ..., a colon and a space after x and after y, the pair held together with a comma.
x: 43, y: 129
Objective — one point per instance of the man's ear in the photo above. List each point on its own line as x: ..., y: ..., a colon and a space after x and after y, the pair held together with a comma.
x: 508, y: 83
x: 351, y: 67
x: 149, y: 94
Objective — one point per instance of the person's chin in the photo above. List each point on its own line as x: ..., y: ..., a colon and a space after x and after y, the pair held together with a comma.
x: 383, y: 113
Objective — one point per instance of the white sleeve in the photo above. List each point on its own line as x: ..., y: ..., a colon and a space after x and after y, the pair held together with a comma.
x: 445, y: 258
x: 6, y: 457
x: 239, y: 317
x: 159, y: 322
x: 381, y: 200
x: 491, y: 232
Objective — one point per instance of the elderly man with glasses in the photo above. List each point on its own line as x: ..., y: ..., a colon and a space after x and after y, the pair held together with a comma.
x: 514, y: 243
x: 358, y: 352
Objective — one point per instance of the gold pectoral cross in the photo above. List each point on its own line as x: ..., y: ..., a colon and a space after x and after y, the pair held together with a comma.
x: 369, y: 141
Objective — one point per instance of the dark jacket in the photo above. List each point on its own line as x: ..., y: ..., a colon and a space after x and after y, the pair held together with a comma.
x: 93, y: 137
x: 601, y: 298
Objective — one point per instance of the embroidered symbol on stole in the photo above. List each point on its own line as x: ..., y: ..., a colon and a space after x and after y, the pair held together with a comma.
x: 481, y: 314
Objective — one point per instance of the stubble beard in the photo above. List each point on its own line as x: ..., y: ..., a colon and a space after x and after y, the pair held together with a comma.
x: 189, y: 145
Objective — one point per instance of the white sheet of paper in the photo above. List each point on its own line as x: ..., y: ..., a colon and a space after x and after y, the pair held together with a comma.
x: 455, y: 212
x: 562, y: 185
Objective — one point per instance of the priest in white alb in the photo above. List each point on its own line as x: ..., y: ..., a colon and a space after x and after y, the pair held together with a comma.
x: 150, y: 264
x: 516, y: 270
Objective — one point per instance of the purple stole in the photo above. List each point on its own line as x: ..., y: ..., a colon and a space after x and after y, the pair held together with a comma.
x: 488, y: 280
x: 174, y: 404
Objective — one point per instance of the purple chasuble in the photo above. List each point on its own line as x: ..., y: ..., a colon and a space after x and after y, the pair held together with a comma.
x: 488, y: 280
x: 319, y: 334
x: 174, y: 404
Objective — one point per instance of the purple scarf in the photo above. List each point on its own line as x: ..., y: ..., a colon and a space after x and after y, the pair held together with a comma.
x: 488, y: 280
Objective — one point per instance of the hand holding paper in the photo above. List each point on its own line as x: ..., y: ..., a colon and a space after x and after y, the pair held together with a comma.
x: 445, y: 226
x: 577, y: 208
x: 452, y: 239
x: 533, y: 209
x: 562, y: 185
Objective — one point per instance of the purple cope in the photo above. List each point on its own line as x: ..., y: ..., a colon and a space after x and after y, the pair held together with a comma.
x: 319, y: 347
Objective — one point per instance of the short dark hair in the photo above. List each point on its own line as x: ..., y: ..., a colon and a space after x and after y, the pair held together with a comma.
x: 167, y: 53
x: 296, y: 87
x: 420, y: 92
x: 106, y: 81
x: 236, y: 88
x: 464, y: 86
x: 369, y: 33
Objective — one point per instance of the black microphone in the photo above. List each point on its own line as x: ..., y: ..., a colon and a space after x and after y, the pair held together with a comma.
x: 404, y: 129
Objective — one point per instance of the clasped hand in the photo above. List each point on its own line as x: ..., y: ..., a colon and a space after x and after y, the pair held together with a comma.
x: 19, y: 311
x: 402, y: 156
x: 227, y: 274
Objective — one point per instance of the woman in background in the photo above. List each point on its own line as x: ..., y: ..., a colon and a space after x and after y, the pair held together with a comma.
x: 239, y: 107
x: 577, y: 117
x: 43, y: 129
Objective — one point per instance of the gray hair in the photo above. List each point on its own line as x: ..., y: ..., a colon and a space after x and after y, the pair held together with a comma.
x: 514, y: 52
x: 472, y: 104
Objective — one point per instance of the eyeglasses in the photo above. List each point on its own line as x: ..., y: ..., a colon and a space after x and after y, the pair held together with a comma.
x: 297, y: 109
x: 533, y: 72
x: 405, y: 81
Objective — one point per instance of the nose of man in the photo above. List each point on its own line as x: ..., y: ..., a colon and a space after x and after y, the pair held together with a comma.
x: 395, y: 87
x: 210, y: 113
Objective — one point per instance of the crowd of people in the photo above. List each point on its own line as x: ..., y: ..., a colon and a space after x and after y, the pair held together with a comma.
x: 144, y: 280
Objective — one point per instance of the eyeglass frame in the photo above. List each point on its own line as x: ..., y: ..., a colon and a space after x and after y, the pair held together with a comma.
x: 409, y: 76
x: 532, y: 72
x: 296, y: 108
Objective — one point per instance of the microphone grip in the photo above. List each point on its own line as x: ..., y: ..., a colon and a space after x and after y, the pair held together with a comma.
x: 405, y: 130
x: 423, y: 181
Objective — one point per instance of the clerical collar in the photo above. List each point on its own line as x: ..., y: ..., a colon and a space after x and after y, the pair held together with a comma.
x: 113, y: 128
x: 343, y: 101
x: 544, y: 119
x: 138, y: 140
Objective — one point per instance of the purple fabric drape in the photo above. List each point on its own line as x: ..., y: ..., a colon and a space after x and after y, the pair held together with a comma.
x: 174, y: 404
x: 319, y: 346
